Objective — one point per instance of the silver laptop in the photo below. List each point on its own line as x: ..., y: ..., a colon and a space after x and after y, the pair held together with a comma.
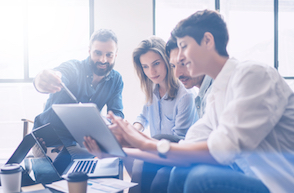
x: 47, y: 170
x: 85, y: 120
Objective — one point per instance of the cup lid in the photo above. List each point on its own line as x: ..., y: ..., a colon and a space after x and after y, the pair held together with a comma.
x: 77, y: 177
x: 10, y: 168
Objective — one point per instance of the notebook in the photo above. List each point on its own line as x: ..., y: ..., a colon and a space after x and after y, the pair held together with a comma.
x: 85, y: 120
x: 47, y: 170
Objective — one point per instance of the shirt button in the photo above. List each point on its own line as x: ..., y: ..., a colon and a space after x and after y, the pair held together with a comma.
x: 87, y: 76
x: 198, y: 107
x: 90, y: 100
x: 91, y: 85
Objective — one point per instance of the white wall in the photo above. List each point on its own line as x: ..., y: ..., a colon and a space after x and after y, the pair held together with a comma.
x: 132, y: 21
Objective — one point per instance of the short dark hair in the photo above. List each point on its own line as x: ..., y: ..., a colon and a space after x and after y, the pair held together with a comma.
x: 103, y: 35
x: 170, y: 45
x: 204, y: 21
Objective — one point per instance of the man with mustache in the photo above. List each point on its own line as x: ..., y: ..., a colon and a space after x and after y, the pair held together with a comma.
x: 202, y: 82
x: 92, y: 80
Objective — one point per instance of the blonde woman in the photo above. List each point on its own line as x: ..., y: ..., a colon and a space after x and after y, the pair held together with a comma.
x: 169, y: 108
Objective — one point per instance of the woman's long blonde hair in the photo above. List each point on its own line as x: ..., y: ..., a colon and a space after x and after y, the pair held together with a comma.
x: 156, y: 45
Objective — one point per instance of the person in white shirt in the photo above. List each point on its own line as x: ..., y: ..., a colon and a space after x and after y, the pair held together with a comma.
x: 249, y: 120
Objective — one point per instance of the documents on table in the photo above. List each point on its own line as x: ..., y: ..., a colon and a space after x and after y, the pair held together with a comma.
x: 32, y: 188
x: 98, y: 185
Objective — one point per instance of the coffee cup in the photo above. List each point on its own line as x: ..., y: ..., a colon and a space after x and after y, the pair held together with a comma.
x: 11, y: 178
x: 77, y: 182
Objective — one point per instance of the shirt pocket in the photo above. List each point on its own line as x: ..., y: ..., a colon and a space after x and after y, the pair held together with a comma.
x: 168, y: 123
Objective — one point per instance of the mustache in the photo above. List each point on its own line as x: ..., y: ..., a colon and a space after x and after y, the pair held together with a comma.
x: 184, y: 77
x: 100, y: 63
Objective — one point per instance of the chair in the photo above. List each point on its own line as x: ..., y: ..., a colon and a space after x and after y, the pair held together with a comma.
x: 25, y: 126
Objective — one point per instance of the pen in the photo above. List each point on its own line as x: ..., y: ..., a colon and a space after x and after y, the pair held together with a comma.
x: 69, y: 93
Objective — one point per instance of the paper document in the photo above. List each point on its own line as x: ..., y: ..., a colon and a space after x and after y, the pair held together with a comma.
x: 32, y: 188
x: 99, y: 185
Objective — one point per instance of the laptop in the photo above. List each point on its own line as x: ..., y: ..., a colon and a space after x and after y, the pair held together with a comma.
x: 85, y: 120
x: 44, y: 141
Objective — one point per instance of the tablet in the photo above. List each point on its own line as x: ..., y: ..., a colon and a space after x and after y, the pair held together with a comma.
x: 85, y: 120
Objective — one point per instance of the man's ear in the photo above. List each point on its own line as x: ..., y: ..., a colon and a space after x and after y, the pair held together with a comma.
x: 208, y: 40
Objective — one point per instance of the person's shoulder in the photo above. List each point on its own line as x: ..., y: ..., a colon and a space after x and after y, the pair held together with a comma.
x: 115, y: 73
x: 253, y: 71
x: 115, y: 76
x: 182, y: 91
x: 252, y: 65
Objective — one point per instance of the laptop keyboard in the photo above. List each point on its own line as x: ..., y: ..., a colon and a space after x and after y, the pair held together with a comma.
x: 87, y: 166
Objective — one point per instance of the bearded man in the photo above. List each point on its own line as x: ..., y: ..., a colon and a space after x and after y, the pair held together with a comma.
x: 92, y: 80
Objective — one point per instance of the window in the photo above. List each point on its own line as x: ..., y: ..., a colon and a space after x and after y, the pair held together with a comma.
x: 39, y: 34
x: 169, y: 12
x: 251, y: 29
x: 259, y: 29
x: 286, y: 38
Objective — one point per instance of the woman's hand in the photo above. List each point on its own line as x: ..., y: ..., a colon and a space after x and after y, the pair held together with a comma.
x: 118, y: 134
x: 92, y: 147
x: 128, y: 133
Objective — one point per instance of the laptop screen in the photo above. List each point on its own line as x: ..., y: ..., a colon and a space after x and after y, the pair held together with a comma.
x: 37, y: 154
x: 50, y: 146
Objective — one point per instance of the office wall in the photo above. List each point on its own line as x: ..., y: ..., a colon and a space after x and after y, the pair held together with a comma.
x: 132, y: 21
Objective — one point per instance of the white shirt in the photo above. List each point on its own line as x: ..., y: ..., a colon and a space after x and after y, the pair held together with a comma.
x: 250, y: 117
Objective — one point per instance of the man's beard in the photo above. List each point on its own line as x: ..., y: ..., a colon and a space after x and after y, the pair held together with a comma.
x: 99, y: 71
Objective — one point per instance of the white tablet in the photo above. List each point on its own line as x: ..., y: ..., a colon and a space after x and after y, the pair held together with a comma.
x: 85, y: 120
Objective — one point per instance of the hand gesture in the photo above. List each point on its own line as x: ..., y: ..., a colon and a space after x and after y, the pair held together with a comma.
x: 48, y: 81
x: 127, y: 133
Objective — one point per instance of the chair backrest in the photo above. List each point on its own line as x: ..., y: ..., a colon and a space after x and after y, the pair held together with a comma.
x: 26, y: 126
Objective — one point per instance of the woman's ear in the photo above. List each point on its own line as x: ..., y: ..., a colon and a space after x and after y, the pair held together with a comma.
x: 208, y: 40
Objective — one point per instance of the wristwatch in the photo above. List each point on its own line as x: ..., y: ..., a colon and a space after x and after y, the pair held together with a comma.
x: 163, y: 147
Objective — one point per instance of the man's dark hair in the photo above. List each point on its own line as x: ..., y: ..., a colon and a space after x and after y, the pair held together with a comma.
x: 204, y: 21
x: 170, y: 45
x: 103, y: 35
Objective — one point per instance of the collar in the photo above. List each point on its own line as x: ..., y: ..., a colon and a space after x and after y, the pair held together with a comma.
x: 156, y: 93
x: 206, y: 83
x: 222, y: 79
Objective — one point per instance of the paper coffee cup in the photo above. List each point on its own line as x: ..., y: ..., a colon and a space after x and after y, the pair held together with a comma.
x: 77, y: 182
x: 11, y: 178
